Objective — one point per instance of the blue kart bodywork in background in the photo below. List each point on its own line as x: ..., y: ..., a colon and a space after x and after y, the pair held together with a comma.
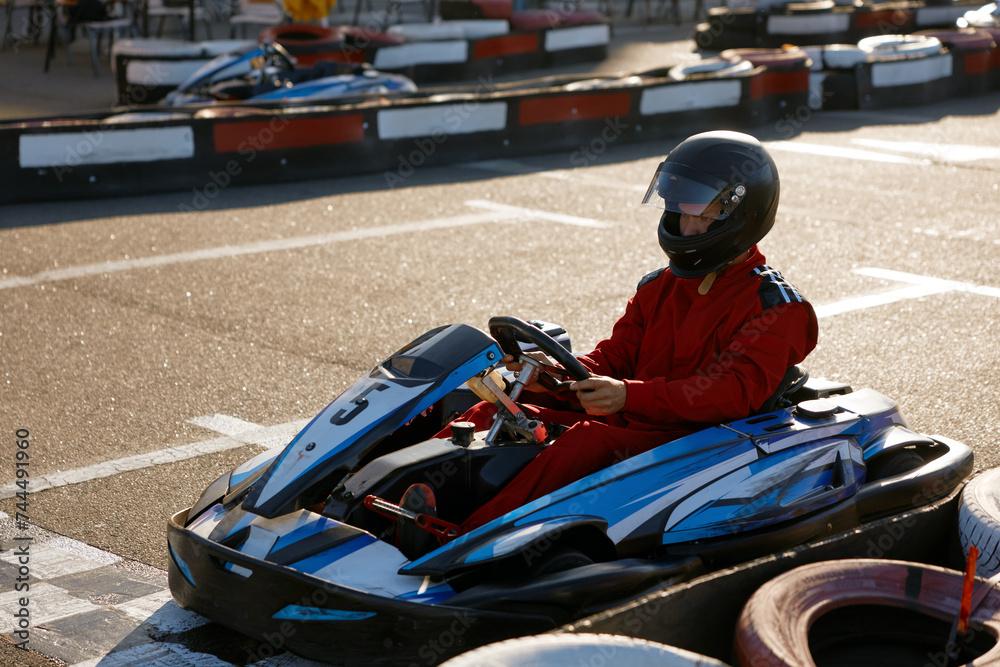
x: 267, y: 73
x: 286, y: 537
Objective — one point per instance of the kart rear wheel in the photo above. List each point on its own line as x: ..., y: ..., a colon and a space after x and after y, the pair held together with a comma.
x: 560, y: 559
x: 895, y: 463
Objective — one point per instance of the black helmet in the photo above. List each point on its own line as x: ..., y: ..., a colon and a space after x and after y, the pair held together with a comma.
x: 729, y: 170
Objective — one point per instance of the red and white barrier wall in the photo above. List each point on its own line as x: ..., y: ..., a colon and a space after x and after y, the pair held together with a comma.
x: 197, y: 152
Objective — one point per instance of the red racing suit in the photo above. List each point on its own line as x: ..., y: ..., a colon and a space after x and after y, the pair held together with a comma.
x: 688, y: 361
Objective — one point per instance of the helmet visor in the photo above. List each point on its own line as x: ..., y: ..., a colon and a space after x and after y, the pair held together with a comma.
x: 680, y: 189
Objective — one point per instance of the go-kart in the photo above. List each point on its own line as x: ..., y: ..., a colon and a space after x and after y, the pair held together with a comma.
x: 266, y: 72
x: 299, y: 543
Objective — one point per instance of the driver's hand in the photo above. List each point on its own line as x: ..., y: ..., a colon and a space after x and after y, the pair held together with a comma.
x: 517, y: 366
x: 600, y: 395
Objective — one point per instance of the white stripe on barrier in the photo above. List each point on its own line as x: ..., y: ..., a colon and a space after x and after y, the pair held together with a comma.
x: 690, y: 96
x: 816, y: 80
x: 944, y: 15
x: 808, y: 24
x: 909, y: 72
x: 104, y: 146
x: 160, y: 72
x: 438, y: 120
x: 421, y: 53
x: 577, y: 37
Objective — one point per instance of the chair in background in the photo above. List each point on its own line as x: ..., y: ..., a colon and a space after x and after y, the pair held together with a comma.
x: 260, y: 13
x: 122, y: 22
x: 163, y: 10
x: 35, y: 18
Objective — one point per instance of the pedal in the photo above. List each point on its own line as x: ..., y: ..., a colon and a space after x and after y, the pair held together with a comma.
x: 431, y: 524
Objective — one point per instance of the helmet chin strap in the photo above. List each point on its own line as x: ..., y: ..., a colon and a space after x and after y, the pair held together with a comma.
x: 707, y: 282
x: 709, y: 279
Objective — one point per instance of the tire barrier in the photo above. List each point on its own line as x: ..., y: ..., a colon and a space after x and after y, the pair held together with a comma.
x: 709, y: 67
x: 822, y: 22
x: 700, y: 615
x: 858, y: 609
x: 308, y: 43
x: 979, y: 520
x: 905, y: 70
x: 461, y: 50
x: 205, y: 149
x: 558, y: 650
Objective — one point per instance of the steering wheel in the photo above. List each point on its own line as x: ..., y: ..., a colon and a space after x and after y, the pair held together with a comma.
x: 279, y: 55
x: 505, y: 328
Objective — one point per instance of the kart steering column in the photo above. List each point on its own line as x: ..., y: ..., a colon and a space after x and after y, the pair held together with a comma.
x: 510, y: 413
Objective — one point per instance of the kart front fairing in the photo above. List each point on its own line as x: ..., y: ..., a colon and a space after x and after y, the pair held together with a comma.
x: 393, y: 393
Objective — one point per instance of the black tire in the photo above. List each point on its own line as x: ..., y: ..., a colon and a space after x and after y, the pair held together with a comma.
x: 560, y: 559
x: 979, y: 521
x: 776, y: 625
x: 894, y: 463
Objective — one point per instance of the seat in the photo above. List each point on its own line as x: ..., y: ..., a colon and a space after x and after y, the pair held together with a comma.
x: 163, y: 10
x: 33, y: 24
x: 259, y: 13
x: 795, y: 377
x: 394, y: 11
x: 122, y: 22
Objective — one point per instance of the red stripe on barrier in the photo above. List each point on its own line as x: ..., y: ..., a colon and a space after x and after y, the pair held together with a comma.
x: 890, y: 20
x: 557, y: 108
x: 778, y: 83
x: 263, y: 135
x: 978, y: 63
x: 505, y: 45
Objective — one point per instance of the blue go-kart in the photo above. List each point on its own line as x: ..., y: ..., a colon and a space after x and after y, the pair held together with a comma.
x: 300, y: 542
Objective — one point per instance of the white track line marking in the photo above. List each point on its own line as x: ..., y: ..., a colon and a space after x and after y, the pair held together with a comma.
x: 251, y: 249
x: 920, y: 286
x: 496, y: 213
x: 943, y: 152
x: 577, y: 176
x: 264, y: 436
x: 532, y: 214
x: 161, y: 653
x: 841, y: 152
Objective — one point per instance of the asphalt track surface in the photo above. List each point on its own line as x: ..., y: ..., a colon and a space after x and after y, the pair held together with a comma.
x: 147, y: 349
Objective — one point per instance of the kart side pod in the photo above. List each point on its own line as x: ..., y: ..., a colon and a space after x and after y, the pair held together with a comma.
x: 523, y: 547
